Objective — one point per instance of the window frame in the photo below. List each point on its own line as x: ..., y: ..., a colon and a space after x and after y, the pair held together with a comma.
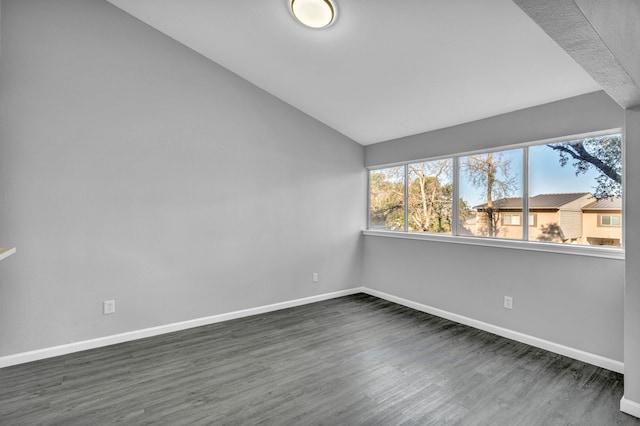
x: 520, y: 244
x: 407, y: 195
x: 611, y: 216
x: 511, y: 215
x: 404, y: 201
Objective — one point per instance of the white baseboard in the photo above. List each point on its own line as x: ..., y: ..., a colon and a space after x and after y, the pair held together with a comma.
x: 578, y: 354
x: 617, y: 366
x: 630, y: 407
x: 99, y: 342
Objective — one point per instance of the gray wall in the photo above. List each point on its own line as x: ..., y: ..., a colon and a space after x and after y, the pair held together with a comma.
x: 132, y: 168
x: 572, y: 300
x: 580, y: 114
x: 632, y: 277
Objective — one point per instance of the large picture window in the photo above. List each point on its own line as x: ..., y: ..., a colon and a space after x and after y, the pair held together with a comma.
x: 564, y: 192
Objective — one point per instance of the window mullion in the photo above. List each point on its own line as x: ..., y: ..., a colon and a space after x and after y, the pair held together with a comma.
x: 406, y: 198
x: 369, y: 200
x: 525, y: 193
x: 455, y: 213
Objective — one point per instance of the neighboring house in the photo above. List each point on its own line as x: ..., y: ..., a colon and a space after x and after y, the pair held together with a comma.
x: 602, y: 222
x: 576, y: 218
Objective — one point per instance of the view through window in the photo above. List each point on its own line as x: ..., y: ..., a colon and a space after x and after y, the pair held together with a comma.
x: 574, y: 188
x: 430, y: 196
x: 491, y: 193
x: 386, y: 199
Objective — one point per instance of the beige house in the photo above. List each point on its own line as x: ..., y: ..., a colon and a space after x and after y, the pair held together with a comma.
x: 574, y: 218
x: 602, y: 222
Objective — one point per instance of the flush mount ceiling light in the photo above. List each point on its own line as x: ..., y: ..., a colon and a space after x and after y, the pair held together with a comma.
x: 313, y: 13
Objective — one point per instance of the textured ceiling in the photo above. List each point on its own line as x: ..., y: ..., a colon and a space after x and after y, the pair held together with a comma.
x: 383, y: 70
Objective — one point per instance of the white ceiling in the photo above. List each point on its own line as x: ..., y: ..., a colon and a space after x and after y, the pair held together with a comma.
x: 383, y: 70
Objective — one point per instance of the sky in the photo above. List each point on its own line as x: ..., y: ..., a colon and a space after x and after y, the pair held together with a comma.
x: 549, y: 177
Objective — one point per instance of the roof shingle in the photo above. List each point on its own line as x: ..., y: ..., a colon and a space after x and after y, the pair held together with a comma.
x: 541, y: 201
x: 614, y: 203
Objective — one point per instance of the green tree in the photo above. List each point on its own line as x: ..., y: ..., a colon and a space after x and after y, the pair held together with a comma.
x: 603, y: 153
x: 429, y: 196
x: 386, y: 198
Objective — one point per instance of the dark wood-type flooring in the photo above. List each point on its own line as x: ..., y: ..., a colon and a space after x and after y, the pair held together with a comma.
x: 356, y: 360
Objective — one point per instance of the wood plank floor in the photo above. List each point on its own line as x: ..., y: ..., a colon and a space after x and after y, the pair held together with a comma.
x: 356, y: 360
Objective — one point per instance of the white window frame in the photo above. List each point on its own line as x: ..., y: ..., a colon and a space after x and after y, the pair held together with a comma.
x: 524, y: 244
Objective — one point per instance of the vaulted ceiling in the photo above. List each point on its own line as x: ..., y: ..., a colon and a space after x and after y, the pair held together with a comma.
x: 383, y: 70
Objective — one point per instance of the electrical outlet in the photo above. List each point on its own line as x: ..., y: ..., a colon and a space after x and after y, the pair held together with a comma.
x: 109, y: 307
x: 315, y: 277
x: 508, y: 302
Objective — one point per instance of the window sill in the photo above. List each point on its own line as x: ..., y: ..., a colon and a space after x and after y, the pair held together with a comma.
x: 6, y: 252
x: 570, y: 249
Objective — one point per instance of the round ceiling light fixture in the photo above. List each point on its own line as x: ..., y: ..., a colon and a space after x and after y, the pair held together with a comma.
x: 314, y: 13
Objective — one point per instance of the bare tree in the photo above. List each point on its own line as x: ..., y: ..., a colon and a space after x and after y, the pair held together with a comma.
x: 491, y: 173
x: 603, y: 153
x: 426, y: 190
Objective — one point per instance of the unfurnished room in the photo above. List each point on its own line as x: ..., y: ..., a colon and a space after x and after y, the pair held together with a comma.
x: 320, y: 212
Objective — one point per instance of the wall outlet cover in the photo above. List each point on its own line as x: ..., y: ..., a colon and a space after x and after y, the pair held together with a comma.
x: 508, y: 302
x: 109, y: 307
